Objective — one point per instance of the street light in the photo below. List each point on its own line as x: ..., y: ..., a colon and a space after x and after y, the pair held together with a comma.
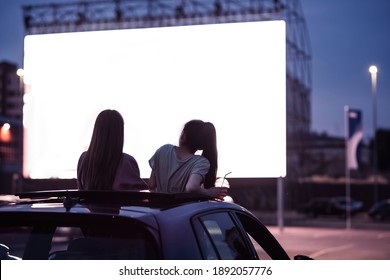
x: 20, y: 73
x: 374, y: 70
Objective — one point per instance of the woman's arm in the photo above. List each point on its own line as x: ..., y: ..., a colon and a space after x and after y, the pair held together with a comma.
x: 194, y: 184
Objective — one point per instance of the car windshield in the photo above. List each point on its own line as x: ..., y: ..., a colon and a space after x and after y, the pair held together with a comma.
x: 86, y: 238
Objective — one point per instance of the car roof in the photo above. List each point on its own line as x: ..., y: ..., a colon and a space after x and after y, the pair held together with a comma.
x: 69, y: 198
x: 133, y: 204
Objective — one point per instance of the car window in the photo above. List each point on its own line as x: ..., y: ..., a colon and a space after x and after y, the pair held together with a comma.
x: 267, y: 247
x: 87, y: 241
x: 101, y: 248
x: 220, y: 238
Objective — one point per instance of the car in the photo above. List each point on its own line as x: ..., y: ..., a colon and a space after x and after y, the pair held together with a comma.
x: 380, y: 211
x: 336, y: 206
x: 95, y: 225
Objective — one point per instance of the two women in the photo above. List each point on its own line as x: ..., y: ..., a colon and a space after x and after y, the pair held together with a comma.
x: 104, y: 166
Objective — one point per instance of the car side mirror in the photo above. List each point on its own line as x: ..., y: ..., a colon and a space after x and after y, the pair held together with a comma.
x: 302, y: 257
x: 4, y: 252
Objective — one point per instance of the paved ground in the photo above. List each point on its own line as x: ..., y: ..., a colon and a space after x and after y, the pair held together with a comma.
x: 329, y: 238
x: 335, y: 244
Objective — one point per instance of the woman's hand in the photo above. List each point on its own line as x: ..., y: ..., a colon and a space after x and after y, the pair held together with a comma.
x: 217, y: 192
x: 194, y: 184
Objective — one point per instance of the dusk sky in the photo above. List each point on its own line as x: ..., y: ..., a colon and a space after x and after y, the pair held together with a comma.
x: 346, y: 37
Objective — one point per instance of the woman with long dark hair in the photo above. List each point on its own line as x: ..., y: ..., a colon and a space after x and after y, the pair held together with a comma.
x: 104, y: 166
x: 180, y: 169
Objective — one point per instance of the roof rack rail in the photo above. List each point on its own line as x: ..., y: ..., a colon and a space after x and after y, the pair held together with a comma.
x: 117, y: 197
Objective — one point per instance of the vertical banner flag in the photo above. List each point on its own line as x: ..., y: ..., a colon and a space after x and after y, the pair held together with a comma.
x: 355, y: 136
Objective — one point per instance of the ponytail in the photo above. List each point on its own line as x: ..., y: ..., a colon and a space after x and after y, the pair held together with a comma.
x: 210, y: 152
x: 202, y: 136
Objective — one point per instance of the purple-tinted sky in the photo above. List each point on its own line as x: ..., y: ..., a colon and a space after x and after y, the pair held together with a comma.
x: 346, y: 37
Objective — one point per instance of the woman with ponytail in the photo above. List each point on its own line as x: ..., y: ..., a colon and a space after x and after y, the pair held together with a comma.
x: 179, y: 169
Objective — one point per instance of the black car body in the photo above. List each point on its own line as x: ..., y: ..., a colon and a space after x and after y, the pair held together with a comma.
x: 91, y: 225
x: 336, y: 206
x: 380, y: 211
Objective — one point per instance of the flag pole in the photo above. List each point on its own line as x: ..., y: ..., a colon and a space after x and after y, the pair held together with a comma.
x: 280, y: 202
x: 347, y: 170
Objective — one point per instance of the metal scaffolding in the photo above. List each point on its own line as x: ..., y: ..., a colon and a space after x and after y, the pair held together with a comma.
x: 127, y: 14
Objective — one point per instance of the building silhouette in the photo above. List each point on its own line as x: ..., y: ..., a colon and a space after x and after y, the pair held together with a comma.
x: 11, y: 129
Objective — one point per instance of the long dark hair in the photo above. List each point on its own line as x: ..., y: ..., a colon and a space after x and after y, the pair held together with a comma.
x: 201, y: 135
x: 105, y: 151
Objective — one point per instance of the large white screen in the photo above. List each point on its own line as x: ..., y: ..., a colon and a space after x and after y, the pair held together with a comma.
x: 233, y: 75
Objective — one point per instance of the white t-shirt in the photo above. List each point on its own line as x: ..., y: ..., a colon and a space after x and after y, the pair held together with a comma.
x: 172, y: 173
